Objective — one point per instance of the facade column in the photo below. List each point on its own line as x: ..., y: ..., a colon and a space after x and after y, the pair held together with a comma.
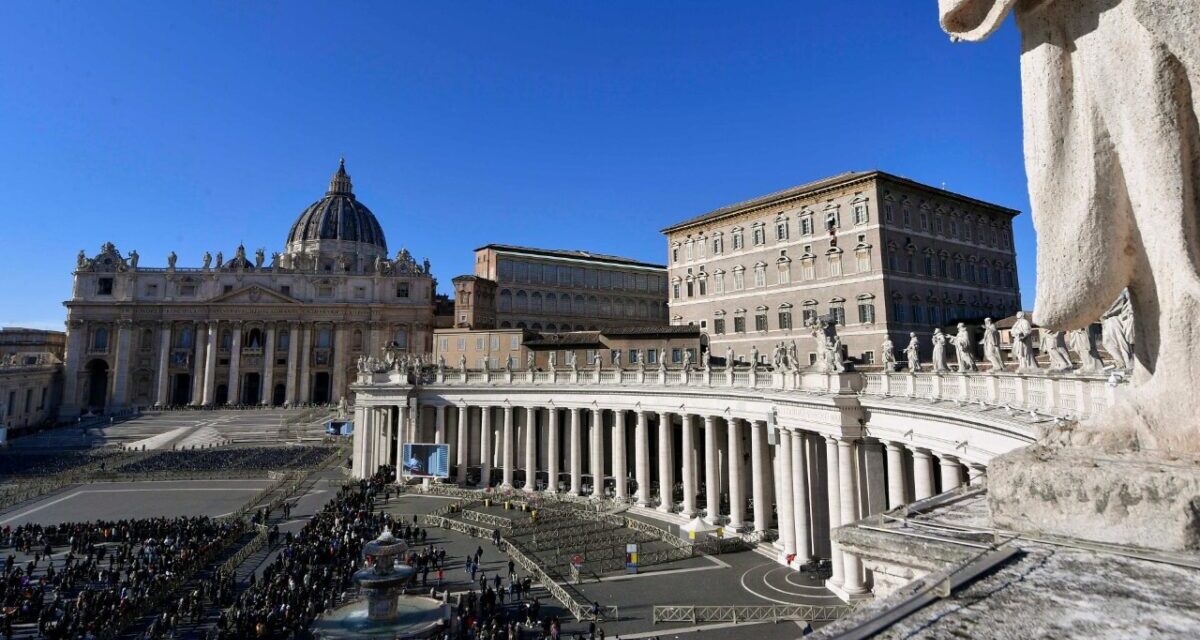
x: 620, y: 488
x: 266, y: 396
x: 341, y: 349
x: 737, y: 489
x: 77, y: 333
x: 895, y: 469
x: 485, y: 446
x: 922, y: 474
x: 164, y: 364
x: 758, y: 442
x: 576, y: 447
x: 785, y: 499
x: 851, y: 566
x: 439, y: 424
x: 401, y: 422
x: 688, y: 443
x: 641, y: 461
x: 833, y: 484
x: 121, y: 364
x: 712, y: 481
x: 804, y: 543
x: 305, y: 356
x: 358, y: 457
x: 531, y: 449
x: 233, y: 394
x: 507, y: 443
x: 200, y: 336
x: 293, y: 365
x: 370, y: 441
x: 552, y: 453
x: 210, y: 365
x: 951, y: 474
x: 666, y: 469
x: 597, y: 434
x: 464, y: 444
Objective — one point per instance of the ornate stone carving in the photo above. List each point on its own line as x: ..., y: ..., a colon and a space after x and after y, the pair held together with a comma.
x: 939, y: 352
x: 888, y: 351
x: 963, y: 349
x: 991, y: 345
x: 1022, y: 343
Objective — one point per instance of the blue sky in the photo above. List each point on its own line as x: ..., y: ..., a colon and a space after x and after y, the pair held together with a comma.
x: 196, y: 126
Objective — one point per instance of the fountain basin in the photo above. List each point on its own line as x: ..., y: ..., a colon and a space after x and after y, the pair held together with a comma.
x: 415, y: 617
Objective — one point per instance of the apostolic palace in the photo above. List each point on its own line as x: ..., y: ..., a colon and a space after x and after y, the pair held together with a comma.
x: 249, y: 329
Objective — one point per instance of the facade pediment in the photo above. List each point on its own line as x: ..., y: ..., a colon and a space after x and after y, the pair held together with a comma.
x: 254, y: 294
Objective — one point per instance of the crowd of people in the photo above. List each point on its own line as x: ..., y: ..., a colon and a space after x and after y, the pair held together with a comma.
x: 23, y: 462
x: 230, y: 459
x: 91, y: 579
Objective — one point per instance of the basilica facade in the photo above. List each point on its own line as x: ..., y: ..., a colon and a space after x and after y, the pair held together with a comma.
x: 248, y: 330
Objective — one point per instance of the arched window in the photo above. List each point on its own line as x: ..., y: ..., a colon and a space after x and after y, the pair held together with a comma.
x: 551, y: 327
x: 521, y: 302
x: 282, y: 340
x: 537, y: 326
x: 551, y: 303
x: 401, y: 339
x: 324, y: 338
x: 505, y: 300
x: 506, y: 325
x: 564, y: 305
x: 535, y: 302
x: 357, y: 340
x: 580, y: 305
x: 185, y: 338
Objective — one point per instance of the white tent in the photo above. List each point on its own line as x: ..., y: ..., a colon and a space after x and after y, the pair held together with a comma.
x: 697, y: 525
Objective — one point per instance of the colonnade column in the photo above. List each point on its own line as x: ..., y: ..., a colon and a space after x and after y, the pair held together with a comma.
x: 530, y: 449
x: 402, y: 418
x: 852, y: 567
x: 800, y: 498
x: 712, y: 481
x: 688, y: 442
x: 737, y: 490
x: 785, y: 499
x: 267, y: 396
x: 666, y: 470
x: 641, y: 461
x: 359, y: 443
x: 439, y: 424
x: 464, y: 444
x: 507, y: 452
x: 758, y: 442
x: 366, y: 430
x: 597, y: 434
x: 576, y: 447
x: 552, y: 449
x: 922, y: 474
x: 293, y: 364
x: 951, y: 474
x: 833, y: 483
x: 200, y: 336
x: 233, y: 393
x: 621, y: 491
x: 896, y: 477
x: 485, y: 446
x: 210, y: 365
x: 164, y: 363
x: 305, y: 354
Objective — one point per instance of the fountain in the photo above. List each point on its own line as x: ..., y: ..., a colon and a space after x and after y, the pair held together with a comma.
x: 387, y: 612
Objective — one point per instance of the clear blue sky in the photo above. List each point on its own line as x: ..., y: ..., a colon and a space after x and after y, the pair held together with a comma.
x: 193, y: 126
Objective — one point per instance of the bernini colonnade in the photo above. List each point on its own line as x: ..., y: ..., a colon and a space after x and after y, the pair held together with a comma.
x: 768, y: 458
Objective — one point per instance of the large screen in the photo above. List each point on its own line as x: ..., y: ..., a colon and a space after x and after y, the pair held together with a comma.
x: 426, y: 460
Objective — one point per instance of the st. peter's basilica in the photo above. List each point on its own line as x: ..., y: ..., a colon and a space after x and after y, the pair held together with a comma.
x: 246, y: 330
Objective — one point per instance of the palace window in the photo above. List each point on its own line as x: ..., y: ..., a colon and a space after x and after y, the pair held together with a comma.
x: 942, y: 271
x: 808, y: 315
x: 702, y: 284
x: 719, y: 281
x: 675, y: 253
x: 676, y: 289
x: 928, y: 260
x: 719, y: 326
x: 808, y: 269
x: 739, y: 279
x: 687, y: 251
x: 781, y: 228
x: 718, y: 244
x: 924, y: 221
x: 864, y: 259
x: 402, y: 290
x: 860, y: 213
x: 738, y: 241
x: 760, y: 275
x: 888, y: 209
x: 898, y: 311
x: 806, y: 225
x: 760, y: 321
x: 868, y: 357
x: 785, y: 318
x: 837, y: 313
x: 906, y: 216
x: 866, y: 312
x: 739, y: 324
x: 784, y: 266
x: 104, y: 287
x: 760, y: 234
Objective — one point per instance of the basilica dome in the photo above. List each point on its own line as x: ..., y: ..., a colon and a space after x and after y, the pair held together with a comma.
x: 337, y: 222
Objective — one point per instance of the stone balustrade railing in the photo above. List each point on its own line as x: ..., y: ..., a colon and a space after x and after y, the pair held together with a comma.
x: 1067, y: 395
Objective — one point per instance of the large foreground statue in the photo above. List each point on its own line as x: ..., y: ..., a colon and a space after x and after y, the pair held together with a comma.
x: 1112, y: 151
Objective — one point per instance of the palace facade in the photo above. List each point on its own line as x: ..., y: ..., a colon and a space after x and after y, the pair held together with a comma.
x: 248, y: 330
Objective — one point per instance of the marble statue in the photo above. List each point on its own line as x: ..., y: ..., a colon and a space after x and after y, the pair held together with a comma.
x: 530, y: 359
x: 462, y: 363
x: 889, y: 355
x: 133, y: 259
x: 641, y: 364
x: 913, y: 353
x: 793, y: 358
x: 572, y: 360
x: 220, y: 260
x: 1110, y: 110
x: 1117, y: 332
x: 597, y: 361
x: 991, y: 345
x: 836, y: 363
x: 728, y: 357
x: 81, y: 259
x: 171, y: 257
x: 441, y: 364
x: 939, y: 352
x: 706, y: 359
x: 662, y: 360
x: 260, y: 256
x: 1022, y: 344
x: 754, y: 356
x: 616, y: 358
x: 207, y: 260
x: 508, y: 364
x: 552, y: 358
x: 240, y: 253
x: 777, y: 355
x: 1053, y: 346
x: 687, y: 359
x: 963, y: 349
x: 1083, y: 344
x: 821, y: 341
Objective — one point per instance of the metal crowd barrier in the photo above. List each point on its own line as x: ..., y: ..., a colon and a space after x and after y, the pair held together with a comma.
x: 745, y: 613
